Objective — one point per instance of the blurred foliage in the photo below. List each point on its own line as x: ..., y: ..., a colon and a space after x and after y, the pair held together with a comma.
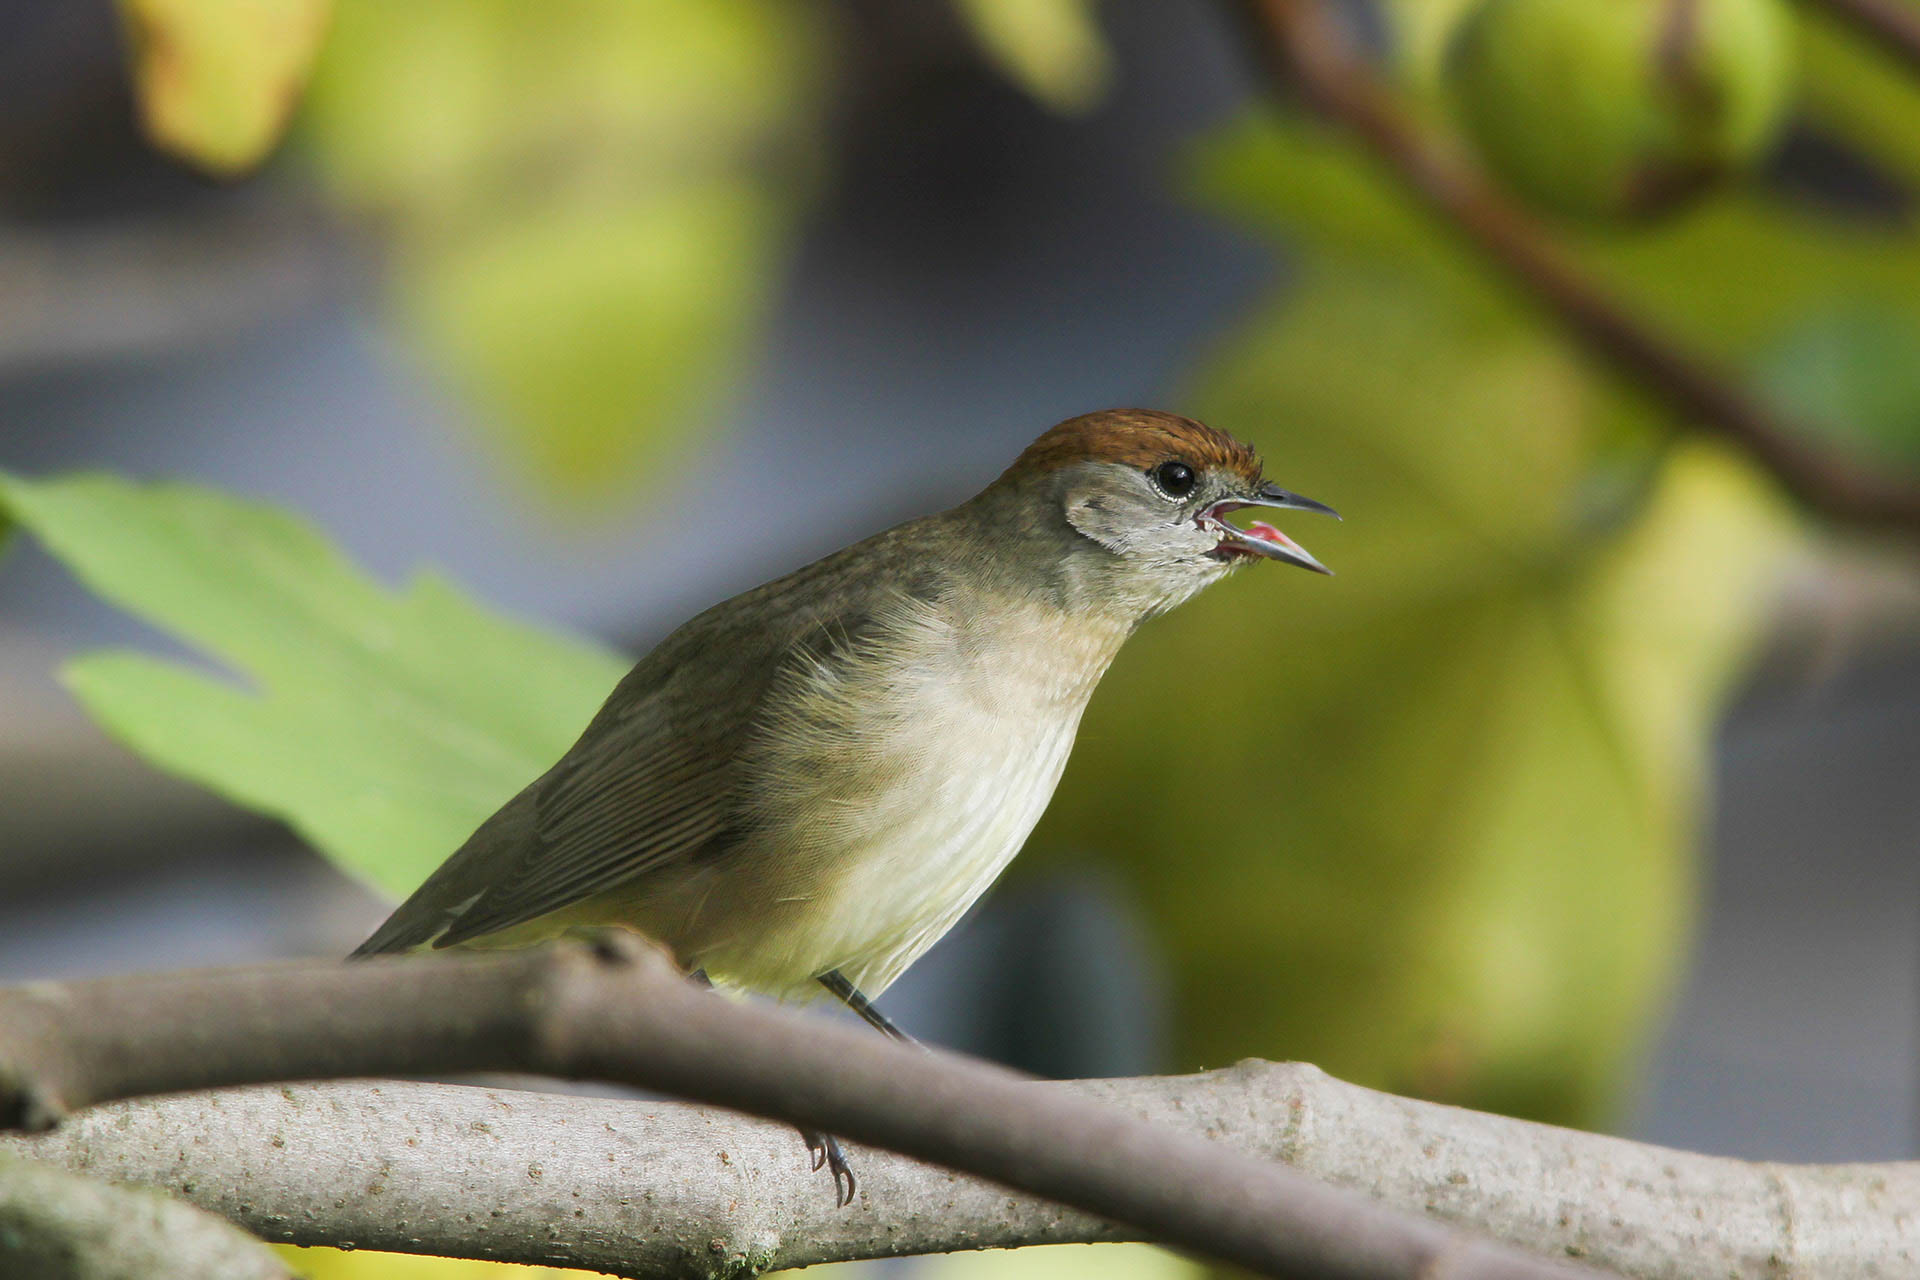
x: 1043, y: 1262
x: 1438, y: 835
x: 1056, y: 1262
x: 367, y: 1264
x: 1855, y: 366
x: 1860, y: 93
x: 381, y: 726
x: 216, y: 80
x: 586, y: 204
x: 1051, y: 48
x: 1619, y: 109
x: 1732, y: 278
x: 1423, y: 32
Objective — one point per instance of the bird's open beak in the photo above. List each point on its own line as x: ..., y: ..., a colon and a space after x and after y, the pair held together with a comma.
x: 1260, y: 538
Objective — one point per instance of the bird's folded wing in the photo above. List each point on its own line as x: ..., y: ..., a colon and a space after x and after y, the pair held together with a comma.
x: 655, y: 781
x: 631, y: 798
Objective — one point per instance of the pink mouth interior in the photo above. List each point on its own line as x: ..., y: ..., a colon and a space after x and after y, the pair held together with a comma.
x: 1267, y: 533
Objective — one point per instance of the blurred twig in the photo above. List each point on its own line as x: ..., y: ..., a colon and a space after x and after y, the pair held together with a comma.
x: 678, y: 1192
x: 159, y: 284
x: 1304, y: 42
x: 1889, y: 23
x: 620, y: 1012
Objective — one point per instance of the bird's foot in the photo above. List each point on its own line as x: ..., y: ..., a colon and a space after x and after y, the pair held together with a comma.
x: 827, y: 1154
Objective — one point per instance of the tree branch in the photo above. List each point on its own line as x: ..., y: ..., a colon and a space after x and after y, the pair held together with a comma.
x: 681, y: 1192
x: 61, y: 1226
x: 1888, y: 23
x: 1301, y: 40
x: 620, y: 1012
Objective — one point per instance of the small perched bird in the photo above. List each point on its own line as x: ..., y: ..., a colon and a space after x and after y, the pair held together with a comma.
x: 805, y: 786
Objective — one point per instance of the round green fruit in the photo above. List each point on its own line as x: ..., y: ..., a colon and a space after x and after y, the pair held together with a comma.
x: 1612, y: 109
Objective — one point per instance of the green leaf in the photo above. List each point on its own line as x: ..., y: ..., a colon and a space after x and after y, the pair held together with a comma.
x: 1429, y: 823
x: 1051, y: 48
x: 217, y: 80
x: 381, y: 725
x: 593, y: 337
x: 1297, y: 179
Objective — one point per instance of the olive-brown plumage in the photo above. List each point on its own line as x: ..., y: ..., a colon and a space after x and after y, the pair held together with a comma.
x: 818, y: 776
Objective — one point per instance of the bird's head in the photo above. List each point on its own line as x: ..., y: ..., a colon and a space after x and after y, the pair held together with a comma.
x: 1149, y: 494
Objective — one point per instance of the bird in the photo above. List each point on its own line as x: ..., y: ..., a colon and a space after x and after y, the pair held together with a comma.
x: 804, y: 787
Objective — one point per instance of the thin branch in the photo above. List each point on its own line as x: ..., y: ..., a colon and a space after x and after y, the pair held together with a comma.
x: 1893, y: 25
x: 62, y: 1226
x: 680, y: 1192
x: 620, y: 1012
x: 1301, y: 40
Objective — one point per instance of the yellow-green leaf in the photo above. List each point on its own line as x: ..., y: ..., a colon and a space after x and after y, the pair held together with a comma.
x: 588, y: 203
x: 1429, y: 823
x: 217, y: 80
x: 592, y: 336
x: 1051, y: 48
x: 371, y: 1264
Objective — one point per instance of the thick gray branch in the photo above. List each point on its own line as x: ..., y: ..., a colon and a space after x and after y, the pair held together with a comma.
x: 675, y: 1190
x: 620, y: 1012
x: 57, y: 1225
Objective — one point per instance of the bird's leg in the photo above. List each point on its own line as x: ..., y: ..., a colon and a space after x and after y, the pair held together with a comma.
x: 825, y: 1149
x: 849, y: 995
x: 826, y: 1152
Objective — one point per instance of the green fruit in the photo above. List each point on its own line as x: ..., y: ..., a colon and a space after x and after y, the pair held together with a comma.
x: 1620, y: 108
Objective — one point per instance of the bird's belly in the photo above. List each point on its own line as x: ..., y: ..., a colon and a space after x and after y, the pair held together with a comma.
x: 897, y: 868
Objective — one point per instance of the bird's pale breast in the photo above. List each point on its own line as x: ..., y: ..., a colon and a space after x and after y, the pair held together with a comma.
x: 894, y: 783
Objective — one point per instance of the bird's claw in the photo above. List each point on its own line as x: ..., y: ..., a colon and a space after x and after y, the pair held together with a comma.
x: 827, y: 1154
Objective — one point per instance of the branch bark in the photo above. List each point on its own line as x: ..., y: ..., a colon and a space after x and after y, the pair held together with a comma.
x: 57, y: 1225
x: 683, y: 1192
x: 1302, y: 43
x: 619, y: 1012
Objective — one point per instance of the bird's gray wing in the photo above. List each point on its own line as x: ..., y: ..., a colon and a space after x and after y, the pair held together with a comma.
x: 643, y: 787
x: 656, y: 778
x: 614, y: 813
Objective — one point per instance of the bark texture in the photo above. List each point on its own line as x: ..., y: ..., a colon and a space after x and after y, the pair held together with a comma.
x: 675, y: 1190
x: 618, y: 1011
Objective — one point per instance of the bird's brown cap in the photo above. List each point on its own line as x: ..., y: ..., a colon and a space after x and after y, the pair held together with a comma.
x: 1140, y: 438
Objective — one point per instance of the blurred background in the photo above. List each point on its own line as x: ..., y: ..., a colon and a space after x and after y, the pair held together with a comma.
x: 1586, y: 791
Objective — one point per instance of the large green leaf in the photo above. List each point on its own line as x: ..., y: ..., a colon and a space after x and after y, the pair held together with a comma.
x: 382, y: 725
x: 1429, y: 823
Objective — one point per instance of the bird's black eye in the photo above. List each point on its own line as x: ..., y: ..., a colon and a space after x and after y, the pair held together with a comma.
x: 1175, y: 479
